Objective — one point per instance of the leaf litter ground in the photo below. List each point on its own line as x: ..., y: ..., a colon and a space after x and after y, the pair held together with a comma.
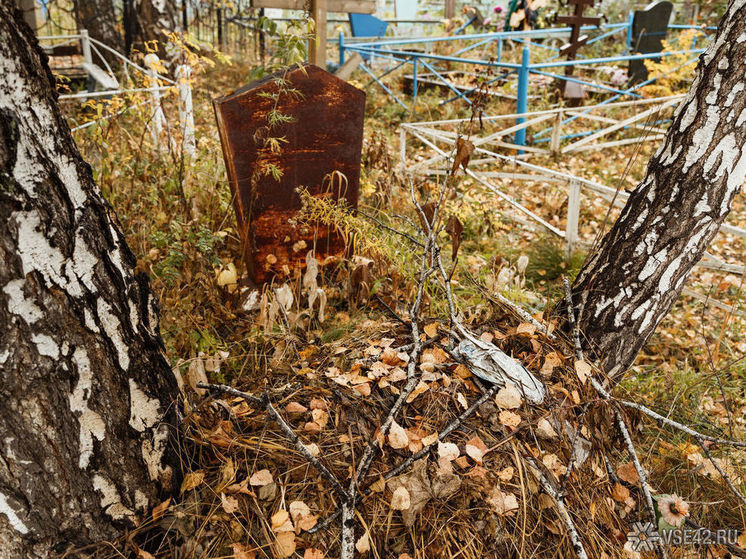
x: 479, y: 491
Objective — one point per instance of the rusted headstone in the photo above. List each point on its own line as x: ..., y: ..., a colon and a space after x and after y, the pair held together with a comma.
x: 324, y: 136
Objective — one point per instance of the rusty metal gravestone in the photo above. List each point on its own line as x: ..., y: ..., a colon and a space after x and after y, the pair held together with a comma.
x: 324, y: 136
x: 649, y: 28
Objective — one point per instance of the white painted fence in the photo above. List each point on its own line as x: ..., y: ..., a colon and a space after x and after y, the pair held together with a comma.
x: 186, y: 110
x: 441, y: 139
x: 107, y: 85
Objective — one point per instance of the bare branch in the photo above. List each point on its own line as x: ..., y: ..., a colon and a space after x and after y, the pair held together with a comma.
x: 720, y: 470
x: 680, y: 426
x: 571, y: 319
x: 562, y: 511
x: 264, y: 402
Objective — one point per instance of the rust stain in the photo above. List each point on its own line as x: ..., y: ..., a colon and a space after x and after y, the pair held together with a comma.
x: 324, y: 136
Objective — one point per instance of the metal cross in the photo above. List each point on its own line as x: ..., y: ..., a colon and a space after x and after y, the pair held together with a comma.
x: 576, y: 21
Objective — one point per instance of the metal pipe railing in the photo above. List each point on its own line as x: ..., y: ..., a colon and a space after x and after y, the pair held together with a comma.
x: 386, y: 48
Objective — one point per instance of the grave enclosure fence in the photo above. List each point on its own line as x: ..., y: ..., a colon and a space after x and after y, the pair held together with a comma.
x: 233, y: 26
x: 427, y: 149
x: 508, y: 56
x: 129, y: 79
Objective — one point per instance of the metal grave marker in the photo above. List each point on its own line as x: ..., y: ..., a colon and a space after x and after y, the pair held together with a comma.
x: 576, y: 21
x: 324, y: 137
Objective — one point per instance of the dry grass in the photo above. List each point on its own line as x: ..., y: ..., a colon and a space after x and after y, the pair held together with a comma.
x: 227, y: 442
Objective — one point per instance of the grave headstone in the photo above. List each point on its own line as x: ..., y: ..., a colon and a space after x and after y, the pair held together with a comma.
x: 574, y: 92
x: 325, y: 136
x: 649, y: 28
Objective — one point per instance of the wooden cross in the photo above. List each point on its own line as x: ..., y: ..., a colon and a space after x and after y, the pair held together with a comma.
x: 576, y: 21
x: 319, y: 9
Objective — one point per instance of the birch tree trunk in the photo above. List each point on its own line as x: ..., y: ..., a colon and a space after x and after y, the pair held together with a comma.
x: 630, y: 283
x: 155, y: 19
x: 85, y: 388
x: 100, y: 19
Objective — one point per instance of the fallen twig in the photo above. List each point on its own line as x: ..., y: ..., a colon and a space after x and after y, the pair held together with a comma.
x: 348, y: 529
x: 680, y: 426
x: 621, y: 424
x: 571, y: 319
x: 452, y: 426
x: 264, y: 402
x: 523, y: 313
x: 641, y: 473
x: 407, y: 236
x: 655, y: 415
x: 562, y: 511
x: 579, y: 357
x: 371, y: 449
x: 722, y: 473
x: 517, y: 309
x: 574, y: 446
x: 391, y: 311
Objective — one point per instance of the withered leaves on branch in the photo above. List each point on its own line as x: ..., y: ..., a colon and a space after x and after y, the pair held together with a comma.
x: 455, y: 228
x: 464, y: 149
x: 429, y: 210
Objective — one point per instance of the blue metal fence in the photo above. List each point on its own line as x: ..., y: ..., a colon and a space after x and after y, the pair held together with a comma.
x: 401, y: 52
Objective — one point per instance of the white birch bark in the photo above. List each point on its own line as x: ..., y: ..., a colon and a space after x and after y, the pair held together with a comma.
x: 85, y: 387
x: 626, y: 288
